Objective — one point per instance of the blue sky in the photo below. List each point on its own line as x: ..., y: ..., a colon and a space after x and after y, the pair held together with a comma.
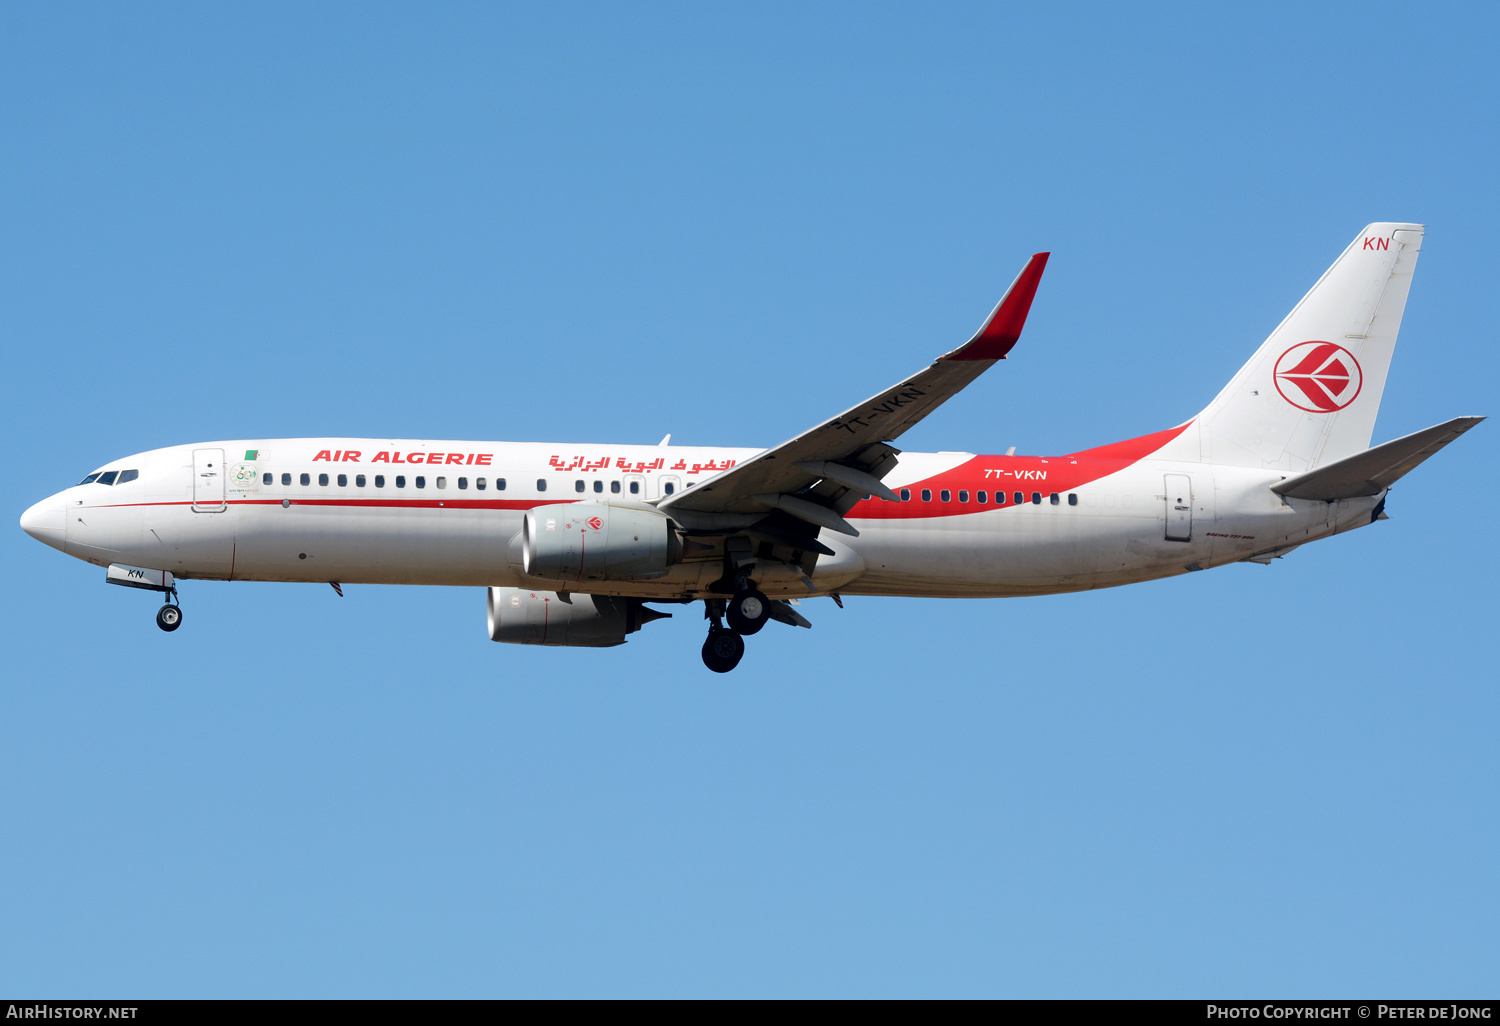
x: 604, y: 223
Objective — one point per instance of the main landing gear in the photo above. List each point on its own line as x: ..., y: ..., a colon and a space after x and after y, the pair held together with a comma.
x: 723, y: 650
x: 746, y: 612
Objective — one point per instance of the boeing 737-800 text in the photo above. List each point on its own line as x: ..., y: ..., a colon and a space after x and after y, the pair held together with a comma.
x: 572, y: 541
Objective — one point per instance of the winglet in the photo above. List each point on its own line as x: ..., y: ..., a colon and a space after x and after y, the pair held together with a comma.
x: 1003, y: 328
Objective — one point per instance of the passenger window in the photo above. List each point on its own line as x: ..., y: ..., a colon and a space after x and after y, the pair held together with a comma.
x: 578, y: 485
x: 541, y: 484
x: 1054, y: 499
x: 635, y: 488
x: 323, y: 480
x: 614, y: 488
x: 306, y: 480
x: 598, y: 486
x: 90, y: 479
x: 420, y: 482
x: 442, y: 482
x: 946, y: 495
x: 359, y: 480
x: 1036, y: 498
x: 668, y: 488
x: 906, y: 495
x: 266, y: 478
x: 926, y: 494
x: 499, y: 484
x: 963, y: 496
x: 1072, y: 498
x: 400, y: 480
x: 379, y: 480
x: 286, y: 479
x: 981, y: 497
x: 127, y: 475
x: 343, y: 480
x: 108, y: 477
x: 463, y: 484
x: 479, y: 484
x: 1020, y: 497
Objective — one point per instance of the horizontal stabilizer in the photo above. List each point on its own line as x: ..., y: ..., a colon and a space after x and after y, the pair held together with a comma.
x: 1374, y: 470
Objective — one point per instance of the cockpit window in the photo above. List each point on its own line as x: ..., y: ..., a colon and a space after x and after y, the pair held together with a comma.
x: 90, y: 479
x: 108, y: 477
x: 127, y: 475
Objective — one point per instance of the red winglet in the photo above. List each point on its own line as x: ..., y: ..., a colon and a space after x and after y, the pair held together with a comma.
x: 1003, y: 328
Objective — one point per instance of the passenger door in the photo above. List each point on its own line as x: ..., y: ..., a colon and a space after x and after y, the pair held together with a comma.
x: 208, y: 481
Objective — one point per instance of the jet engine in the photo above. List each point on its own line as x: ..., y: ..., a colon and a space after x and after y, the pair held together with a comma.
x: 578, y: 541
x: 520, y: 616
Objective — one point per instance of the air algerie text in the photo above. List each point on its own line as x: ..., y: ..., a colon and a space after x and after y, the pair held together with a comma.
x: 462, y: 459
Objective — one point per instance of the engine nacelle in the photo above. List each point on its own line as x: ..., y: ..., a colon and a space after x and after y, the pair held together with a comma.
x: 580, y: 541
x: 520, y: 616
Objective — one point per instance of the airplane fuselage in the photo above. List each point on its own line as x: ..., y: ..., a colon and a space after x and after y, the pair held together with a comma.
x: 363, y: 511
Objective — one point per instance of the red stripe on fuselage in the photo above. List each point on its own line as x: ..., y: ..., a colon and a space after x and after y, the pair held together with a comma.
x: 1010, y: 474
x: 520, y: 504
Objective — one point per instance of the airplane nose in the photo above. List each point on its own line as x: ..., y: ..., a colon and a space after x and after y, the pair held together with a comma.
x: 46, y: 522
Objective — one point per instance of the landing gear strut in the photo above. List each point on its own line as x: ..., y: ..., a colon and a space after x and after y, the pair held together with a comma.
x: 746, y: 611
x: 169, y: 616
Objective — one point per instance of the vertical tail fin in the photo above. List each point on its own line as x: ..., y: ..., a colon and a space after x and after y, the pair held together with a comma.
x: 1309, y: 395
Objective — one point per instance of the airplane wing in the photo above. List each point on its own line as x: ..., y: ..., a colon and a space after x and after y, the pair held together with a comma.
x: 820, y: 474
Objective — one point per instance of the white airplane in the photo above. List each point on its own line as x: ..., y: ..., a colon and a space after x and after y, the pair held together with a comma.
x: 573, y: 540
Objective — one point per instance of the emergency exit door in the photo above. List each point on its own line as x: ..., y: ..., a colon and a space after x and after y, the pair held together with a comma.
x: 208, y: 481
x: 1179, y: 507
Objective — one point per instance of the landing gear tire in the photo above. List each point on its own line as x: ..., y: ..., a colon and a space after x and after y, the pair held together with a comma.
x: 723, y: 650
x: 748, y: 612
x: 169, y: 617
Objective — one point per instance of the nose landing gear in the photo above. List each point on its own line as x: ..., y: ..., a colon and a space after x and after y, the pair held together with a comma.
x: 169, y: 616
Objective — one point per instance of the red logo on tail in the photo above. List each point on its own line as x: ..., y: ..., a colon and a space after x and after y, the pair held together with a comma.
x: 1318, y: 377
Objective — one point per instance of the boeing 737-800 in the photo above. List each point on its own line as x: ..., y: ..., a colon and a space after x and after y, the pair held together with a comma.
x: 573, y: 541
